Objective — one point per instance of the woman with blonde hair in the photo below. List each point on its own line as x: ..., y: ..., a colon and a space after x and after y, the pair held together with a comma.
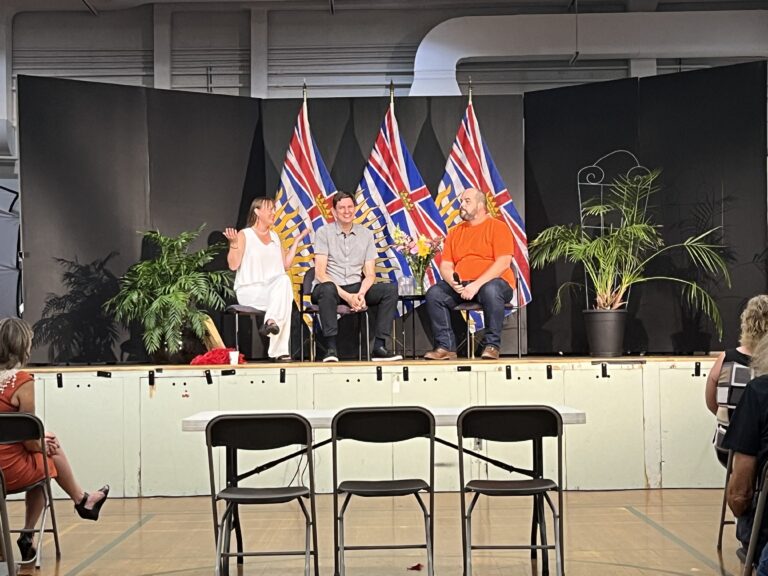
x: 261, y: 281
x: 754, y: 325
x: 22, y: 463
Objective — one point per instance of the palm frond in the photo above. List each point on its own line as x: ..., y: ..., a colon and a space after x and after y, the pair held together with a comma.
x: 168, y: 293
x: 616, y: 257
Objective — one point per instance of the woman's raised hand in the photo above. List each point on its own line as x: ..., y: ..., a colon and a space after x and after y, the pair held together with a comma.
x: 303, y: 234
x: 231, y: 235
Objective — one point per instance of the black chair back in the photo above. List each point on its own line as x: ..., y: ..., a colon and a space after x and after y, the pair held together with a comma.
x: 307, y: 281
x: 509, y: 423
x: 258, y: 431
x: 383, y: 425
x: 20, y: 427
x: 755, y: 539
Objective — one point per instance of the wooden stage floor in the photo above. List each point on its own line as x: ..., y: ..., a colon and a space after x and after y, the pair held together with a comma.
x: 619, y: 533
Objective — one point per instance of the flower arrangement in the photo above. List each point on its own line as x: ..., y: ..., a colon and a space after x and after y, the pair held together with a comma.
x: 419, y: 252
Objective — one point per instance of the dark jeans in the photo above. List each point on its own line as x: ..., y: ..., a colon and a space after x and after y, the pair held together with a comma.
x: 442, y: 299
x: 381, y: 296
x: 744, y: 532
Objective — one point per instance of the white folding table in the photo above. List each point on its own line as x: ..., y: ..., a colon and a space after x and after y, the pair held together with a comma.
x: 321, y: 419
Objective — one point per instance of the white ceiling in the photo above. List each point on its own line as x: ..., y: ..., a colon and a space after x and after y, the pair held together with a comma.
x: 497, y: 6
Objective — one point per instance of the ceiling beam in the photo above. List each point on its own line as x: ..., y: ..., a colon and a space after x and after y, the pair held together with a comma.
x: 642, y: 5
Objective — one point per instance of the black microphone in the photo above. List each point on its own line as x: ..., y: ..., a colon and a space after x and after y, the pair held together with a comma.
x: 456, y: 278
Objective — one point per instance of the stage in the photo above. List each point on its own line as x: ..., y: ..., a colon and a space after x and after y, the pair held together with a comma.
x: 646, y: 422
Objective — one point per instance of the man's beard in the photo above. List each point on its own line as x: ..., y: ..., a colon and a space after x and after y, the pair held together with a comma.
x: 465, y: 215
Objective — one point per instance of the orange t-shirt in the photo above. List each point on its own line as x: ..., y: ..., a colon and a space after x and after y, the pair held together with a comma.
x: 472, y: 249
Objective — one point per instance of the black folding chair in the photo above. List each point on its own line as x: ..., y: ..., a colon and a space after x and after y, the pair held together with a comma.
x: 20, y: 427
x: 514, y: 424
x: 731, y: 382
x: 382, y: 425
x: 258, y: 432
x: 7, y: 549
x: 466, y: 307
x: 753, y: 552
x: 313, y: 310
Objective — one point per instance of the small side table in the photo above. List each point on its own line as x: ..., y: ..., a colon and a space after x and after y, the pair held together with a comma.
x: 412, y: 298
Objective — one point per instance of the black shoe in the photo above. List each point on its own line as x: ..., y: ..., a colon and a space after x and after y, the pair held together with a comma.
x: 269, y: 329
x: 381, y: 354
x: 284, y: 358
x: 28, y: 551
x: 91, y: 513
x: 331, y: 355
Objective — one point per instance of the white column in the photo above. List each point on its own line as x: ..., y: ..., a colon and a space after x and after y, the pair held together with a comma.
x: 7, y: 135
x: 639, y: 67
x: 259, y: 53
x: 162, y: 46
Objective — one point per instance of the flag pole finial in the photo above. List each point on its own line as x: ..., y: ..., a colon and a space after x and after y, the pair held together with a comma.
x: 470, y: 89
x: 392, y: 92
x: 304, y: 91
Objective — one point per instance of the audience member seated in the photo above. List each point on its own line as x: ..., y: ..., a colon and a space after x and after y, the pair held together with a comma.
x: 22, y: 464
x: 754, y: 325
x: 345, y: 260
x: 475, y: 267
x: 261, y: 281
x: 747, y: 436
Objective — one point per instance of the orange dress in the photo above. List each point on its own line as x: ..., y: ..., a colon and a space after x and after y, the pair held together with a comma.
x: 20, y: 466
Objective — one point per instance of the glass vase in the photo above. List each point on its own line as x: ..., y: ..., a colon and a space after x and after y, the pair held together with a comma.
x: 418, y: 282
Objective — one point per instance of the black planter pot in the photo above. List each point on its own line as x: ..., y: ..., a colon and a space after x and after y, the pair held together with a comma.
x: 605, y: 332
x: 191, y: 346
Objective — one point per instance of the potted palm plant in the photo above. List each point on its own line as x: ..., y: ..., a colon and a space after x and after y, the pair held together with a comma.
x: 616, y: 254
x: 169, y: 294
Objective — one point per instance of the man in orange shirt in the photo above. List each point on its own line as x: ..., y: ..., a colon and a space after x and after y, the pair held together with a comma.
x: 475, y: 267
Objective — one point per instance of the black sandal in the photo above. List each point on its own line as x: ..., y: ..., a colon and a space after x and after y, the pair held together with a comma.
x: 269, y: 329
x: 26, y: 545
x: 92, y: 513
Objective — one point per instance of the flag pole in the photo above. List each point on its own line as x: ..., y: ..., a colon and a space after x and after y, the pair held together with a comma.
x: 391, y: 92
x: 304, y: 91
x: 470, y: 89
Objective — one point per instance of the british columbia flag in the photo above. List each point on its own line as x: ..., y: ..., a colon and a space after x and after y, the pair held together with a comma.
x: 470, y: 165
x: 304, y: 197
x: 392, y: 184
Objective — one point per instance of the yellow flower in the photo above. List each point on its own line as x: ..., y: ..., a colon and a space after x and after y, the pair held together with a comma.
x: 423, y: 246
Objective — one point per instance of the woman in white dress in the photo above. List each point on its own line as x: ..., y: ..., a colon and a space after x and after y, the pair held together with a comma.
x: 261, y: 280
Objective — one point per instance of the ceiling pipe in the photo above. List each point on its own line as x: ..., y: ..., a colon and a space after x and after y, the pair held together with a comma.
x: 91, y: 8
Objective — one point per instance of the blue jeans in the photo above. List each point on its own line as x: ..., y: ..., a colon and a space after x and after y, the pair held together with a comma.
x: 442, y: 299
x: 744, y: 532
x: 762, y: 566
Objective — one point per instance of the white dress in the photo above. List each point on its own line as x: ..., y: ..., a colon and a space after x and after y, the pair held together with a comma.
x: 262, y: 283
